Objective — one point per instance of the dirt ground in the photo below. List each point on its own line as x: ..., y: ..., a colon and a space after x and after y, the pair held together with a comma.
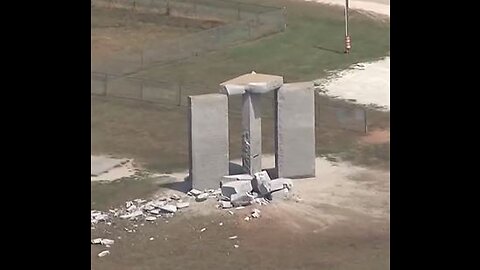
x: 340, y: 222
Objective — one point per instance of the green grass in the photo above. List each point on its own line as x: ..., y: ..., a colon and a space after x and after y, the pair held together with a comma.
x: 311, y: 45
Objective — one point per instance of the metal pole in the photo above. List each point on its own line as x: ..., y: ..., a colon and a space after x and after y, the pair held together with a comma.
x: 348, y: 44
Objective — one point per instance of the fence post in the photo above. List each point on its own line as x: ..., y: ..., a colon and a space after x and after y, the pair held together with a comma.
x: 105, y: 85
x: 179, y: 94
x: 365, y: 119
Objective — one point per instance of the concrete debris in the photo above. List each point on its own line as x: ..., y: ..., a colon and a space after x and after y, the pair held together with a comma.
x: 175, y: 197
x: 235, y: 177
x: 240, y: 207
x: 235, y: 246
x: 139, y: 201
x: 260, y: 201
x: 128, y: 204
x: 281, y: 183
x: 132, y: 215
x: 150, y: 218
x: 103, y: 253
x: 107, y: 241
x: 151, y: 239
x: 236, y: 187
x: 225, y: 205
x: 181, y: 205
x: 241, y: 199
x: 230, y: 212
x: 261, y: 183
x: 220, y: 224
x: 255, y: 213
x: 155, y: 212
x: 201, y: 197
x: 194, y: 192
x: 233, y: 237
x: 203, y: 229
x: 96, y: 241
x: 169, y: 208
x: 246, y: 218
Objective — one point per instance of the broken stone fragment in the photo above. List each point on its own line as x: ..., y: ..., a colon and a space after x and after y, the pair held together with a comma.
x: 150, y: 218
x: 240, y: 199
x: 236, y: 187
x: 195, y: 192
x: 132, y: 215
x: 107, y: 241
x: 202, y: 197
x: 261, y: 183
x: 103, y: 253
x: 175, y: 197
x: 155, y: 212
x: 139, y: 201
x: 96, y: 241
x: 235, y: 177
x: 225, y: 204
x: 169, y: 208
x: 181, y: 205
x: 255, y: 213
x: 281, y: 183
x: 233, y: 237
x: 128, y: 204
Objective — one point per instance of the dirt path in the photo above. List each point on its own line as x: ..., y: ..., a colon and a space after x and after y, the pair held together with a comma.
x: 377, y: 6
x: 364, y: 83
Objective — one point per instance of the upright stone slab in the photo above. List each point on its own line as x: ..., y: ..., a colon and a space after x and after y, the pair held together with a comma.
x: 208, y: 140
x: 251, y: 133
x: 295, y: 130
x: 251, y: 86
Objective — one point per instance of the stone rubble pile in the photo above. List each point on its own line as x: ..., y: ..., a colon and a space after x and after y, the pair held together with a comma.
x: 236, y: 191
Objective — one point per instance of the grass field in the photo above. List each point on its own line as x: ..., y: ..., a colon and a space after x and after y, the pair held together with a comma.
x: 156, y: 135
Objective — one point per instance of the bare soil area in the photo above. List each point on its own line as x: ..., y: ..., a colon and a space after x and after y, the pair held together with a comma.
x: 340, y: 222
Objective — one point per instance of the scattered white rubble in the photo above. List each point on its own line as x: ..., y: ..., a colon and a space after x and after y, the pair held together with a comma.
x: 235, y: 246
x: 169, y: 208
x: 175, y: 197
x: 220, y: 224
x: 255, y: 213
x: 194, y: 192
x: 151, y: 239
x: 181, y: 205
x: 103, y: 253
x: 150, y: 218
x: 202, y: 197
x: 233, y: 237
x: 225, y: 204
x: 203, y: 229
x: 247, y: 218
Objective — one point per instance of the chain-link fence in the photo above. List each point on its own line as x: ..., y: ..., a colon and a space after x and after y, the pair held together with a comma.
x: 243, y: 22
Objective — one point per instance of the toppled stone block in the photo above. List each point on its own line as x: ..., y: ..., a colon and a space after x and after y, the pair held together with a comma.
x: 236, y: 187
x: 225, y: 204
x: 281, y: 183
x: 169, y: 208
x: 235, y: 177
x: 241, y: 199
x: 181, y: 205
x: 261, y: 183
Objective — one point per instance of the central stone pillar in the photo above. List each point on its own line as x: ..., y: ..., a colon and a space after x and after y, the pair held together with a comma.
x: 251, y: 133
